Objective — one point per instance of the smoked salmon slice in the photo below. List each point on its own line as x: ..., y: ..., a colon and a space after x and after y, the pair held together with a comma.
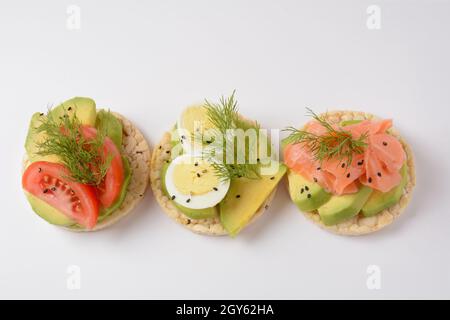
x: 377, y: 167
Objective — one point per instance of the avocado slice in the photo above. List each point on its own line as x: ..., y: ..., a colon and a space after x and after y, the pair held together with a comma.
x: 49, y: 213
x: 34, y: 138
x: 344, y: 207
x: 244, y: 199
x: 85, y: 110
x: 349, y: 122
x: 107, y: 123
x: 308, y: 196
x: 191, y: 213
x: 379, y: 201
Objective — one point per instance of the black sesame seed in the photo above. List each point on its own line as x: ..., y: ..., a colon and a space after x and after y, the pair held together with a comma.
x: 45, y: 190
x: 53, y: 189
x: 40, y: 170
x: 271, y: 178
x: 302, y: 190
x: 348, y: 175
x: 315, y: 179
x: 343, y: 165
x: 208, y: 142
x: 306, y: 188
x: 188, y: 221
x: 379, y: 174
x: 258, y: 160
x: 370, y: 180
x: 215, y: 189
x: 238, y: 196
x: 70, y: 108
x: 360, y: 163
x: 318, y: 168
x: 385, y: 143
x: 183, y: 137
x: 168, y: 151
x: 198, y: 175
x: 160, y: 147
x: 167, y: 161
x: 188, y: 200
x: 41, y: 114
x: 266, y: 206
x: 196, y: 164
x: 309, y: 196
x: 181, y: 141
x: 173, y: 197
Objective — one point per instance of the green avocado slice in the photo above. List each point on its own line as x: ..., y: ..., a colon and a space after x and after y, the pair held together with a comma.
x: 85, y: 110
x: 379, y: 201
x: 107, y: 123
x: 191, y: 213
x: 244, y: 199
x: 49, y: 213
x: 307, y: 195
x: 344, y: 207
x: 349, y: 122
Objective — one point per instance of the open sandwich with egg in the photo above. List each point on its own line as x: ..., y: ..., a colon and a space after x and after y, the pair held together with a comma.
x: 208, y: 182
x: 85, y: 168
x: 349, y: 172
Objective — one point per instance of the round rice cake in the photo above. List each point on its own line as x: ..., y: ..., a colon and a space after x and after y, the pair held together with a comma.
x: 360, y: 225
x: 137, y: 151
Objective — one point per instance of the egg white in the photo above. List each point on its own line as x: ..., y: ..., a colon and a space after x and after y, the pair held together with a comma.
x: 207, y: 200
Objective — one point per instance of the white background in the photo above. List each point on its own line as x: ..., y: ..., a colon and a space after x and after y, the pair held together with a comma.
x: 149, y: 59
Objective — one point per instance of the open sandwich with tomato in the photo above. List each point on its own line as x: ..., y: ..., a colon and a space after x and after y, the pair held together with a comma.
x: 85, y: 168
x: 349, y: 172
x: 207, y: 181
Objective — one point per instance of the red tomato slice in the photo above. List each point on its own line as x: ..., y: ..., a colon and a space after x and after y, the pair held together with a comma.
x: 111, y: 187
x: 48, y: 182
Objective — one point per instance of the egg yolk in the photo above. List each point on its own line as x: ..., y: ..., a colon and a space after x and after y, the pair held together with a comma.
x: 194, y: 178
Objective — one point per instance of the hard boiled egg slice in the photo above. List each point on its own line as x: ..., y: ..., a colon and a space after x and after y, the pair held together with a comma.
x: 192, y: 127
x: 191, y: 181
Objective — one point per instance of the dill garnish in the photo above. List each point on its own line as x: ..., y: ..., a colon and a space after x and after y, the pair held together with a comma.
x: 225, y: 118
x: 335, y: 143
x: 82, y: 157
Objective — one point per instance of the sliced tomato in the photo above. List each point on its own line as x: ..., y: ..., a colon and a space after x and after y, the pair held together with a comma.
x: 50, y: 183
x: 111, y: 187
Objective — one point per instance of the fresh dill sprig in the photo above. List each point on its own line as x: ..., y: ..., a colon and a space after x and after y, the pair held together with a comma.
x: 335, y: 143
x: 82, y: 157
x: 225, y: 118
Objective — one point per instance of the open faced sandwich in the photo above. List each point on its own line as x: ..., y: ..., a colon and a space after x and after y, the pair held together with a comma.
x: 213, y: 172
x: 349, y: 172
x: 84, y: 168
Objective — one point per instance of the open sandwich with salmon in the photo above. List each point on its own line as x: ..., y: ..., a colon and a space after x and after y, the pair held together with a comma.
x: 85, y: 168
x: 207, y: 181
x: 349, y: 172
